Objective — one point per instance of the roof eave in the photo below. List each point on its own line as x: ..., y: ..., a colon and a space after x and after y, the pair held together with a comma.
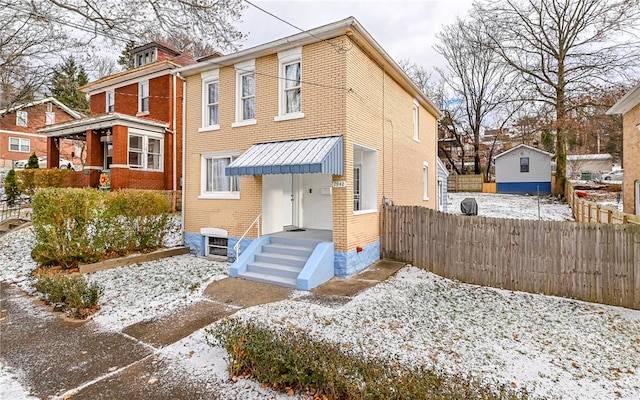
x: 349, y: 26
x: 626, y: 102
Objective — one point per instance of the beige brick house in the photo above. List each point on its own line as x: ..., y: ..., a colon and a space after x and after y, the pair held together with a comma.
x: 292, y: 146
x: 629, y: 107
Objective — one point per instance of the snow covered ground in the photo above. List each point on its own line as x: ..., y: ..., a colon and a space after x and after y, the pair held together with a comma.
x: 553, y: 346
x: 513, y: 206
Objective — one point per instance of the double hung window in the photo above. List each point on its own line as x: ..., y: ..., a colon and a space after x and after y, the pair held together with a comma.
x: 215, y: 184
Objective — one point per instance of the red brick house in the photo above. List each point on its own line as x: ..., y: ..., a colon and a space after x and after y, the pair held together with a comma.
x: 133, y: 134
x: 19, y: 136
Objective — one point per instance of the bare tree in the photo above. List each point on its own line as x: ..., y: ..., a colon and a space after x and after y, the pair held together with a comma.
x: 36, y: 33
x: 27, y: 43
x: 478, y: 77
x: 561, y: 48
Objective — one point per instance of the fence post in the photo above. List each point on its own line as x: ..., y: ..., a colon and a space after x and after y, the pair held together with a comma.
x: 598, y: 213
x: 609, y: 216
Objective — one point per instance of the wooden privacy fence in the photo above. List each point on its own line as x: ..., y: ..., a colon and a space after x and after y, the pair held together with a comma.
x: 592, y: 262
x: 464, y: 183
x: 588, y: 211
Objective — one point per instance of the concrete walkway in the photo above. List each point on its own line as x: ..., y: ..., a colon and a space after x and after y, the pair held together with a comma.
x: 58, y: 358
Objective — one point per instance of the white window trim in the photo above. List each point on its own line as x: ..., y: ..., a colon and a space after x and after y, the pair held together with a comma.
x: 368, y: 181
x: 285, y: 58
x: 49, y: 118
x: 440, y: 195
x: 425, y: 181
x: 109, y: 94
x: 18, y: 118
x: 145, y: 149
x: 208, y: 78
x: 19, y: 145
x: 140, y: 85
x: 203, y: 177
x: 243, y: 68
x: 416, y: 121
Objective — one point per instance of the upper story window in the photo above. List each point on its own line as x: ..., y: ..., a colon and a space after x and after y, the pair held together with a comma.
x: 524, y: 164
x: 416, y: 121
x: 145, y: 152
x: 210, y: 101
x: 20, y: 144
x: 290, y: 85
x: 215, y: 184
x: 111, y: 101
x: 143, y: 96
x: 245, y: 93
x: 49, y: 118
x: 21, y: 118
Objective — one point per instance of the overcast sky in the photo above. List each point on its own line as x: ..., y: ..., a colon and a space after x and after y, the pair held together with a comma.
x: 405, y: 29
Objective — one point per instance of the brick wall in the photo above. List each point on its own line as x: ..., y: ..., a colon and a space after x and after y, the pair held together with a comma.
x: 36, y: 118
x: 630, y: 157
x: 343, y: 93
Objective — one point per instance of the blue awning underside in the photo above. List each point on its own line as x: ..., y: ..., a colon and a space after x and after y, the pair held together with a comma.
x: 305, y: 156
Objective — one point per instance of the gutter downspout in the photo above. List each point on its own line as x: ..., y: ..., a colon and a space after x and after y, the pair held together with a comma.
x: 184, y: 139
x: 175, y: 155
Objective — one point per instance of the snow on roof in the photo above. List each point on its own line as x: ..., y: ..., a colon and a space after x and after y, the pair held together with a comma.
x: 581, y: 157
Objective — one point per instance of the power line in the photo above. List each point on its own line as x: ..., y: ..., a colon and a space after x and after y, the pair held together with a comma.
x: 338, y: 49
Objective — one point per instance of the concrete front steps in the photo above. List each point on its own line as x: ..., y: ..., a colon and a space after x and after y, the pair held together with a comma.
x: 293, y: 263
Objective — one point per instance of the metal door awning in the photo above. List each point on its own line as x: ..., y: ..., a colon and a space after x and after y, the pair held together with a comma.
x: 305, y: 156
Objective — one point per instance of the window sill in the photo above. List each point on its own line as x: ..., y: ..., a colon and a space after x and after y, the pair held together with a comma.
x: 244, y: 123
x: 142, y: 113
x: 287, y: 117
x: 209, y: 128
x: 362, y: 212
x: 221, y: 195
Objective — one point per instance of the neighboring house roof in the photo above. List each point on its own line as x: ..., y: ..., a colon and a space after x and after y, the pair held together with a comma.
x: 521, y: 146
x: 157, y: 43
x: 626, y: 102
x: 585, y: 157
x: 100, y: 122
x: 349, y: 26
x: 317, y: 155
x: 441, y: 165
x: 130, y: 76
x: 58, y: 103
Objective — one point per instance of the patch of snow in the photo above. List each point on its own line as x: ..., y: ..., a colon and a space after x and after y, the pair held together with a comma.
x: 513, y: 206
x: 552, y: 346
x: 10, y: 387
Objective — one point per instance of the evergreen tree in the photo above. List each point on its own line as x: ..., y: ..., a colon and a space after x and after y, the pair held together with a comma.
x: 126, y: 57
x: 33, y: 162
x: 11, y: 187
x: 68, y: 76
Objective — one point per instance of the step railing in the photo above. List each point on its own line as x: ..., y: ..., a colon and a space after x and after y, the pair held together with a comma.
x: 255, y: 222
x: 12, y: 211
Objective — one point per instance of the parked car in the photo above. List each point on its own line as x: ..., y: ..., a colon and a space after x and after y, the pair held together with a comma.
x: 42, y: 163
x: 613, y: 175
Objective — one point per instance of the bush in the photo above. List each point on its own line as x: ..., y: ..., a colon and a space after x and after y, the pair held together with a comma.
x: 288, y: 360
x: 74, y: 226
x: 31, y: 179
x: 77, y: 297
x: 33, y: 162
x: 11, y: 187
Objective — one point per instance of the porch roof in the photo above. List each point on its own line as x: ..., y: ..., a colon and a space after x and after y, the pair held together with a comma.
x: 305, y: 156
x: 81, y: 126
